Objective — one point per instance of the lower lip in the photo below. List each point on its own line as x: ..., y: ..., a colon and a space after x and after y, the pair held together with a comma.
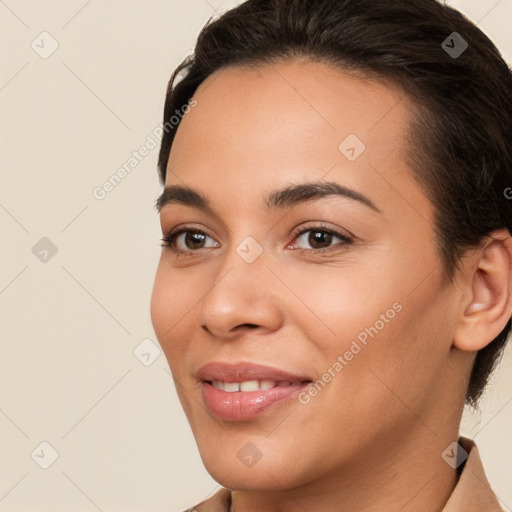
x: 245, y: 405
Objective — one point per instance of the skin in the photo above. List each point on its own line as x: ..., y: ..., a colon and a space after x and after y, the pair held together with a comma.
x: 372, y: 439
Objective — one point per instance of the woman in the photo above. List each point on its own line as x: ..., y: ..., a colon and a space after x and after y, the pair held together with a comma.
x: 335, y: 276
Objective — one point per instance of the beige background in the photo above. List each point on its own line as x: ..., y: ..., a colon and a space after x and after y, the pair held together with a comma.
x: 70, y: 325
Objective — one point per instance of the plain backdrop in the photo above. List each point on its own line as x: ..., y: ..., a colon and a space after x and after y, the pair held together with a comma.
x: 84, y: 390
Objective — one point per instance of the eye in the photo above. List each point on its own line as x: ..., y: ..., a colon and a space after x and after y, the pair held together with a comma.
x: 320, y: 238
x: 187, y: 240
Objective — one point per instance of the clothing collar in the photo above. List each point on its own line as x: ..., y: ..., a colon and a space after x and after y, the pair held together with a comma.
x: 472, y: 492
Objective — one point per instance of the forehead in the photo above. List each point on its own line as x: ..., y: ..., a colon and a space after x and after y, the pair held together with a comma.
x: 260, y: 127
x: 320, y: 94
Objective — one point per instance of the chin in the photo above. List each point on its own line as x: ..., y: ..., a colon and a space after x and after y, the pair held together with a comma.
x: 273, y: 473
x: 258, y: 478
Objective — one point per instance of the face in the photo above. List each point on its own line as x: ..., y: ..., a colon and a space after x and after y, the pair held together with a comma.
x: 336, y: 288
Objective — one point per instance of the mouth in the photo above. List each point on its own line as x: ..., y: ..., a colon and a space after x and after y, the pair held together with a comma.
x: 240, y: 392
x: 251, y: 385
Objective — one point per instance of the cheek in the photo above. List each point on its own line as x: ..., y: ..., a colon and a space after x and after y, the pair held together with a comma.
x: 345, y: 304
x: 390, y: 341
x: 160, y: 309
x: 169, y: 305
x: 403, y: 355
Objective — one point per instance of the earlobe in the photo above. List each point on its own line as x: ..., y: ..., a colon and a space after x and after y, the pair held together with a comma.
x: 487, y: 308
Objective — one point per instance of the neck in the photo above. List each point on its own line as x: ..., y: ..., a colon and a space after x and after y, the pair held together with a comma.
x: 405, y: 475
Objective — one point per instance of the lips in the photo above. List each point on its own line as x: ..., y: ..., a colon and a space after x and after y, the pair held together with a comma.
x: 241, y: 372
x: 231, y: 391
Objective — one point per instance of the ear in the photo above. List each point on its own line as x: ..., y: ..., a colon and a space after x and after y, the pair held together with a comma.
x: 487, y: 305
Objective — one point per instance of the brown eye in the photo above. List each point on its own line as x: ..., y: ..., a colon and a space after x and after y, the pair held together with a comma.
x: 320, y: 239
x: 193, y: 240
x: 187, y: 241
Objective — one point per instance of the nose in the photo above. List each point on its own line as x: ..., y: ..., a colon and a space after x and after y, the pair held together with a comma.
x: 242, y: 296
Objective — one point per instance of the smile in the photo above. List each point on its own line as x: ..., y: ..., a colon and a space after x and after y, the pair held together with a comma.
x: 242, y: 391
x: 250, y: 385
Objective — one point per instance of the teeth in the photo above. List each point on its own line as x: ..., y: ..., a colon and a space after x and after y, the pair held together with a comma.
x: 231, y: 386
x: 250, y: 385
x: 218, y: 384
x: 267, y: 384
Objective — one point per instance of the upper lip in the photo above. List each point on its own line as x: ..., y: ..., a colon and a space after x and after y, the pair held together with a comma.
x: 240, y: 372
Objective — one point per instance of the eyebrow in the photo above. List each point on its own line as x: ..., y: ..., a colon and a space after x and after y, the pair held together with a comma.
x: 285, y: 197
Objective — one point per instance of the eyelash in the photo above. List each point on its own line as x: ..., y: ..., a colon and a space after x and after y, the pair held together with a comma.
x: 170, y: 239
